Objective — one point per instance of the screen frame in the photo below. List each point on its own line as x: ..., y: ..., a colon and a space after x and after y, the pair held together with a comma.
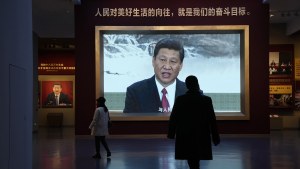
x: 244, y: 114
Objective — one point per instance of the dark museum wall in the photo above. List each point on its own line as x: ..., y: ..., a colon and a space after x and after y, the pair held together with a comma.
x: 257, y: 17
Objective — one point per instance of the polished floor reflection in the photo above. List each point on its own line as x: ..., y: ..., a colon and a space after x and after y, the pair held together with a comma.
x: 55, y: 148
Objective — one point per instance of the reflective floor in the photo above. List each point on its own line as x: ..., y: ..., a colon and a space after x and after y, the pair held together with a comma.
x: 56, y: 148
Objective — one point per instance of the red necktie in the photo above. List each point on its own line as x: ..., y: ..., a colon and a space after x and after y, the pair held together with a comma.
x: 164, y: 101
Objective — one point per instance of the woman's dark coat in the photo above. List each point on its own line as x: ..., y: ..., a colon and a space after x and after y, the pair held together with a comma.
x: 193, y: 121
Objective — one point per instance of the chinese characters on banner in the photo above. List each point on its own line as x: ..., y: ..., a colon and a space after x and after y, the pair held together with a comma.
x: 166, y: 12
x: 297, y: 69
x: 54, y: 67
x: 56, y: 62
x: 297, y: 83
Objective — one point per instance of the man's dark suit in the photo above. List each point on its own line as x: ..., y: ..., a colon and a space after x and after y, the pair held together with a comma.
x: 143, y: 97
x: 63, y: 99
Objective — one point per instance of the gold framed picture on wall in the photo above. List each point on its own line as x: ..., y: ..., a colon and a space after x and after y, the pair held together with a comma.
x: 281, y: 96
x: 281, y: 78
x: 280, y: 63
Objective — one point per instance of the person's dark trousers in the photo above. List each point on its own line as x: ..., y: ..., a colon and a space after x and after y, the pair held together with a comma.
x: 101, y: 139
x: 97, y: 144
x: 194, y: 163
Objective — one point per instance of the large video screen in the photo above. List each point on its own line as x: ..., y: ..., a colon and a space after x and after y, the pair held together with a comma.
x: 215, y: 55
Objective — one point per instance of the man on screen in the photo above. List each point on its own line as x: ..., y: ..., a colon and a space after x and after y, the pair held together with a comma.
x: 157, y: 94
x: 57, y: 97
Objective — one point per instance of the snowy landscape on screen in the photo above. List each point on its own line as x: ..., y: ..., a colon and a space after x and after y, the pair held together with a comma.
x: 214, y: 58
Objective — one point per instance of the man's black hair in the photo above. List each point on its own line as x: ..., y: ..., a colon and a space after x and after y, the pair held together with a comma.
x: 170, y: 43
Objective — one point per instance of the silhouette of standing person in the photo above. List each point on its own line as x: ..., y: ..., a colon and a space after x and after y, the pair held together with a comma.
x: 99, y: 126
x: 193, y: 125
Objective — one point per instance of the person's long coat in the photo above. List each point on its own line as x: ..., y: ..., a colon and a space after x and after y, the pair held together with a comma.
x: 99, y: 124
x: 193, y: 124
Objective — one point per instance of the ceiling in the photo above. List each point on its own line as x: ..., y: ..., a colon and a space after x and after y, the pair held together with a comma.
x: 55, y: 18
x: 287, y: 12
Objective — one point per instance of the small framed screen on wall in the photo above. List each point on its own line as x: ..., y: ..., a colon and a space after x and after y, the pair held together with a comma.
x: 56, y: 94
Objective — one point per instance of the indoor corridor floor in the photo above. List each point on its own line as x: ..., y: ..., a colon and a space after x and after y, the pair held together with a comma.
x: 59, y: 148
